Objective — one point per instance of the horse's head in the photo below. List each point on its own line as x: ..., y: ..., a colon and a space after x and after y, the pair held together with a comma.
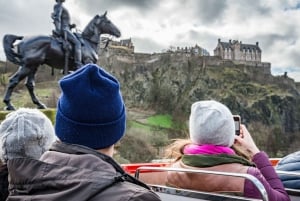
x: 100, y: 24
x: 105, y: 26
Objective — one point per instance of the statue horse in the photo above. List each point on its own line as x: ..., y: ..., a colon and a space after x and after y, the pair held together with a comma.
x: 34, y: 51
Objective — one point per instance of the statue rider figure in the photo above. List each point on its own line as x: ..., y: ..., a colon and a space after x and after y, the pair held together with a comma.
x: 63, y: 28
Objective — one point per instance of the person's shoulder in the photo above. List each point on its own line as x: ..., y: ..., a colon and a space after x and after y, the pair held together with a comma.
x: 144, y: 195
x: 140, y: 193
x: 291, y: 158
x: 289, y: 162
x: 130, y: 191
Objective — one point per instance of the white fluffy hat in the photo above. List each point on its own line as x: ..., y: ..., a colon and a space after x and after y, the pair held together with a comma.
x: 25, y: 133
x: 211, y: 122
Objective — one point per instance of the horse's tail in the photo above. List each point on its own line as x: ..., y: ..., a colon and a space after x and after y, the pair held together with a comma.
x: 11, y: 55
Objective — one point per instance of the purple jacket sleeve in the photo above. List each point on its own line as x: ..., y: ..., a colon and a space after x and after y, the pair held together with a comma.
x: 266, y: 174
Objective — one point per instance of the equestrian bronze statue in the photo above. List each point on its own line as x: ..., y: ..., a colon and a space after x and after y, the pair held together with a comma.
x: 34, y: 51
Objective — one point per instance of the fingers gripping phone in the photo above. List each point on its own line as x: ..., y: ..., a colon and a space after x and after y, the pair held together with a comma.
x: 237, y: 123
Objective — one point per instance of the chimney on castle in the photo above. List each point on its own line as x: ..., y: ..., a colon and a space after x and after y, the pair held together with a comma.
x: 257, y: 44
x: 230, y: 41
x: 219, y: 40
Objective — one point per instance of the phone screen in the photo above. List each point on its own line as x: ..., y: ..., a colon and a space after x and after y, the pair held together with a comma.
x: 237, y: 123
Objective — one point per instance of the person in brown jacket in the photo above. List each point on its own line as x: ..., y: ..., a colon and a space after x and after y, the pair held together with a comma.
x: 90, y: 119
x: 210, y: 147
x: 25, y: 132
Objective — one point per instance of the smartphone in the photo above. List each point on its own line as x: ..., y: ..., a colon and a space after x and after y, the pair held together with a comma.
x: 237, y: 123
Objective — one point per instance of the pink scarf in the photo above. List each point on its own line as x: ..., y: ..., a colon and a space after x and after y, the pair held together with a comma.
x: 207, y: 149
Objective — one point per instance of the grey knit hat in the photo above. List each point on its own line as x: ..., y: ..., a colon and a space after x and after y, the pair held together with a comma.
x: 211, y: 122
x: 25, y: 133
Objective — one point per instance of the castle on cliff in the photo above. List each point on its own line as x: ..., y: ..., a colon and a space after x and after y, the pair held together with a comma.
x: 226, y: 54
x: 233, y: 52
x: 237, y: 51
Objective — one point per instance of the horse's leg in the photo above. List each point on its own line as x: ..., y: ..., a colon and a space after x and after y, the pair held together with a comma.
x: 13, y: 82
x: 30, y: 86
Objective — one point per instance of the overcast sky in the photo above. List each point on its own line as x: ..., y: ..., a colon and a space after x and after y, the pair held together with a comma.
x: 155, y: 25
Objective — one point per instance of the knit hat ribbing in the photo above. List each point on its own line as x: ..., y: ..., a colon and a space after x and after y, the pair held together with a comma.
x: 90, y: 110
x: 211, y: 122
x: 25, y: 133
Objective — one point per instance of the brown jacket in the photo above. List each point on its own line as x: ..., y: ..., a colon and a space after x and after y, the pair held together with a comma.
x: 208, y: 182
x: 73, y: 172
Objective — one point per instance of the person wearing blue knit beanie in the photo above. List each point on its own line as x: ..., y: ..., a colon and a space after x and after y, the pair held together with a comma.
x: 90, y: 119
x: 90, y: 110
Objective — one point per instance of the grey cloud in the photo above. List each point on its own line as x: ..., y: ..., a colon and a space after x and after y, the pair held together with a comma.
x: 268, y: 40
x: 248, y: 8
x: 93, y: 6
x: 210, y: 11
x: 269, y: 45
x: 147, y: 45
x: 201, y: 11
x: 22, y: 16
x: 294, y: 57
x: 194, y: 34
x: 205, y: 40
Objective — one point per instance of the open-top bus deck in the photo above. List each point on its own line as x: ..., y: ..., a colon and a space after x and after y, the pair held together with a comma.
x: 153, y: 174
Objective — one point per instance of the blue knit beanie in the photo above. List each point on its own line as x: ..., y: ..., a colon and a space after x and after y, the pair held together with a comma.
x: 90, y: 110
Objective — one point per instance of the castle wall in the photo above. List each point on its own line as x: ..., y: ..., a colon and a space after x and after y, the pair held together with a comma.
x: 130, y: 58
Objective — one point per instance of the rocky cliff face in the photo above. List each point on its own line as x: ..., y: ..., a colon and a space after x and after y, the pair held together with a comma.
x: 170, y: 83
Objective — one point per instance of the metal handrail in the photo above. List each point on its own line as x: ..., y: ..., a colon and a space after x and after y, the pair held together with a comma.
x: 251, y: 178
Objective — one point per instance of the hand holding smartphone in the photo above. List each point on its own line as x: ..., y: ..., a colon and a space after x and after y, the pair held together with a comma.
x: 237, y: 123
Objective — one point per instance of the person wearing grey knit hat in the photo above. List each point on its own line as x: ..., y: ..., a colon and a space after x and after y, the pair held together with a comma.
x: 23, y: 133
x: 212, y: 147
x: 90, y: 119
x: 211, y: 123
